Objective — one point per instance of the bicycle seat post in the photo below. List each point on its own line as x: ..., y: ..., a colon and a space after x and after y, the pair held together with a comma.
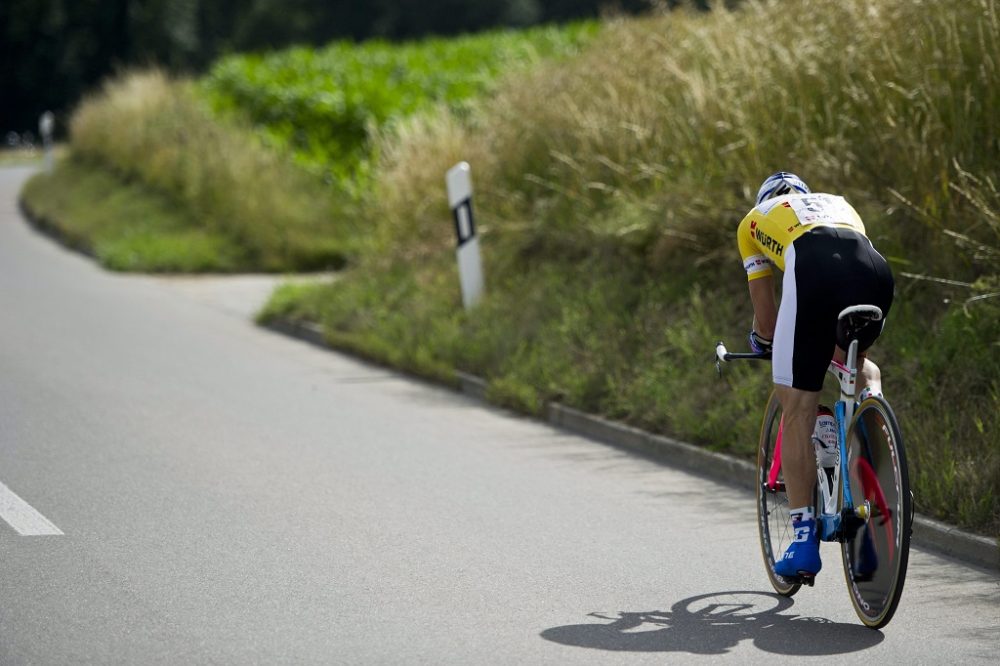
x: 850, y: 323
x: 852, y: 361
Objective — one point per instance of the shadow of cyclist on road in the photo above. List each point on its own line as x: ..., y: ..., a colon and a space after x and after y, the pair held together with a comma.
x: 714, y: 624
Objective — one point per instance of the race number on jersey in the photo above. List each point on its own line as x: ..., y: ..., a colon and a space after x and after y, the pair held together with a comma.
x: 823, y: 209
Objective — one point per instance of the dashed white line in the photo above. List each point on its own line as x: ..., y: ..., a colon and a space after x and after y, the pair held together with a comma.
x: 22, y: 516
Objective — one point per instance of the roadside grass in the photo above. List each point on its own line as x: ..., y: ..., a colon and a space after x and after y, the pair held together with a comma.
x: 123, y: 224
x: 148, y: 128
x: 20, y: 156
x: 943, y: 378
x: 273, y: 152
x: 608, y: 188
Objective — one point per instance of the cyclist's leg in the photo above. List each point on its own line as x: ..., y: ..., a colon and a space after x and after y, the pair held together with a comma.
x: 870, y: 377
x: 805, y: 333
x: 798, y: 459
x: 869, y: 374
x: 803, y: 337
x: 798, y: 463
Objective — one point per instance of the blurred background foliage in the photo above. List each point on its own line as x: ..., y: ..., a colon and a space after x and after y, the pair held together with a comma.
x: 326, y: 104
x: 53, y: 51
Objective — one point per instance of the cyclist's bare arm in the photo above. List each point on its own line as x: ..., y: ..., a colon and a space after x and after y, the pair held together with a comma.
x: 765, y: 306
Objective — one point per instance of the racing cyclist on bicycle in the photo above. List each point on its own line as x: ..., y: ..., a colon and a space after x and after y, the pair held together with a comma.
x: 828, y: 264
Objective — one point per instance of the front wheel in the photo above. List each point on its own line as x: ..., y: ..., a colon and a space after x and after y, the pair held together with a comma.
x: 774, y: 522
x: 875, y: 558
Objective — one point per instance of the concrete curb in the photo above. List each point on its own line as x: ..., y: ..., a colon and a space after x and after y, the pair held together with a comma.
x: 927, y: 533
x: 472, y: 386
x: 46, y: 227
x: 949, y: 540
x: 303, y: 330
x: 726, y: 469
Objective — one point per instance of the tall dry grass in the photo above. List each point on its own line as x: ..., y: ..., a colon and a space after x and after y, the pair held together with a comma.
x: 889, y: 102
x: 147, y: 126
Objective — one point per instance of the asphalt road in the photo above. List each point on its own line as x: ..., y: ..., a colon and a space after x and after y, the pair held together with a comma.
x: 215, y: 493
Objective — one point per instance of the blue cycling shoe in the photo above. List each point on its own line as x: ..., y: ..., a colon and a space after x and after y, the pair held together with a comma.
x: 802, y: 557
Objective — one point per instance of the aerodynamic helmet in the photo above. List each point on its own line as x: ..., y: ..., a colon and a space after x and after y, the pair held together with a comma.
x: 780, y: 183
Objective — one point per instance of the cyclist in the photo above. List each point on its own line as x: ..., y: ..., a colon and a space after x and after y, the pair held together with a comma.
x: 828, y: 264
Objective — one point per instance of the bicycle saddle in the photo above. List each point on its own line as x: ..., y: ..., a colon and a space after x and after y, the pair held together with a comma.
x: 854, y: 320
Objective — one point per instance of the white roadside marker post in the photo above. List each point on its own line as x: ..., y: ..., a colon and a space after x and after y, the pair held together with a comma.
x: 470, y: 271
x: 46, y: 126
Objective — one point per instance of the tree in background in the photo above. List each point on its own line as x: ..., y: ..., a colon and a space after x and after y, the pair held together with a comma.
x: 53, y: 51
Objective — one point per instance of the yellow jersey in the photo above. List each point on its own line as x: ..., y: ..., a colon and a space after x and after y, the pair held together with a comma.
x: 767, y: 231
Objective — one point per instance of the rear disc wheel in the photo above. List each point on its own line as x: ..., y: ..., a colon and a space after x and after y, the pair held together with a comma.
x: 876, y: 557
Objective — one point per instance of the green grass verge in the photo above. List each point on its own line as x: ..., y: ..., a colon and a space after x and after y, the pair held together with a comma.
x: 151, y: 129
x: 125, y: 225
x: 21, y: 157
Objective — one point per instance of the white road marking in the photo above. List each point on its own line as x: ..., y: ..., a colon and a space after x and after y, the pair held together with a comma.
x: 22, y: 516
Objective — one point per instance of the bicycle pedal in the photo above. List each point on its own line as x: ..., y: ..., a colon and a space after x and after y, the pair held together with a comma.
x: 807, y: 578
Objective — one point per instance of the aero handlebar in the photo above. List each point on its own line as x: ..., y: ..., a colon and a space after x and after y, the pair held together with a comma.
x: 723, y: 355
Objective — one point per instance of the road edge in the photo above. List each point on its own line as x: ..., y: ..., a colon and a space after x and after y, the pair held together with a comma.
x: 45, y: 226
x: 928, y: 533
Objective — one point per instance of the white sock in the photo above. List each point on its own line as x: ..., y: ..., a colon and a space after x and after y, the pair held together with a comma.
x: 867, y: 393
x: 805, y: 513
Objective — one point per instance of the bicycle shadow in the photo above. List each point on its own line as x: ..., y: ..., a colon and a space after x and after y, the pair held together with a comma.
x: 715, y: 623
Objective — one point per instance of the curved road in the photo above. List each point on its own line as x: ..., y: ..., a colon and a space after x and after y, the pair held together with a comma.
x: 198, y: 490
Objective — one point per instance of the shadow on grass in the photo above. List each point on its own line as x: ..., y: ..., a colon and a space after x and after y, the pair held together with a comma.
x: 716, y: 623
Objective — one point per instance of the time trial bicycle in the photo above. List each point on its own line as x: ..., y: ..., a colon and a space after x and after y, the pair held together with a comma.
x: 863, y: 501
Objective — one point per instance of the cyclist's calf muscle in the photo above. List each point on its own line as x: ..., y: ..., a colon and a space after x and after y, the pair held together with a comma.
x: 798, y: 459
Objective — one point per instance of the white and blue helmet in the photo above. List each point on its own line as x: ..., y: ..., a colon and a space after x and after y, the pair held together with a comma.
x: 780, y: 183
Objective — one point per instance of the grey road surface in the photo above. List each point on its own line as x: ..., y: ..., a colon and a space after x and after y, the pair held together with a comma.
x: 229, y: 496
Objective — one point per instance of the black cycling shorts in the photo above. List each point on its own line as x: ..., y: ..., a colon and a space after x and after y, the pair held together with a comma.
x: 826, y: 270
